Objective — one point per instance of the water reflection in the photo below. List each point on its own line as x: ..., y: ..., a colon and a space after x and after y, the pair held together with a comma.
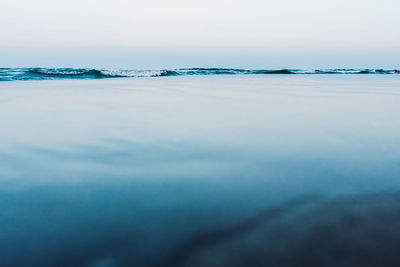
x: 195, y: 171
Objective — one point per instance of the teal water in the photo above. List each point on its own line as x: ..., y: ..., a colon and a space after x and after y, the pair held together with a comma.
x: 26, y: 74
x: 173, y: 171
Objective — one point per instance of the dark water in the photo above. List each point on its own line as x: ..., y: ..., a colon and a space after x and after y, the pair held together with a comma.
x: 201, y: 171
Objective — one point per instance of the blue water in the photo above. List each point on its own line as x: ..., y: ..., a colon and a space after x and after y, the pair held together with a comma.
x: 12, y: 74
x: 240, y: 170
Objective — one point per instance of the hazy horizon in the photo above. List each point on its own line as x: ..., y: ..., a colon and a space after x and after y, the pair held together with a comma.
x: 174, y: 34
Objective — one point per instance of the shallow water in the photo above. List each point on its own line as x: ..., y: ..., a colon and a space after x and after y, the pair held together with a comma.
x: 185, y: 171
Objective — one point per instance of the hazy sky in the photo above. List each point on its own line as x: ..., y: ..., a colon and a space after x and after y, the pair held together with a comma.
x: 186, y: 33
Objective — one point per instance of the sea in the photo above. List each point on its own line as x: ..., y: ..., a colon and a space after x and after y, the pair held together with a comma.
x: 199, y: 167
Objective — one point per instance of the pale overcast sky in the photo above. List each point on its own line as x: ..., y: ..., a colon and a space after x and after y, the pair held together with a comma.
x: 186, y: 33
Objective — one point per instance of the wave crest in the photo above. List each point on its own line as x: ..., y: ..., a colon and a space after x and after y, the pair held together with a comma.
x: 11, y: 74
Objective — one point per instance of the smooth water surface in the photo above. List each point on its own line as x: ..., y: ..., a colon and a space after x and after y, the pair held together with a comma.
x: 200, y: 171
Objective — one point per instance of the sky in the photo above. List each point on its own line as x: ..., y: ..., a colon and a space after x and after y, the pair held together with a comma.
x: 208, y: 33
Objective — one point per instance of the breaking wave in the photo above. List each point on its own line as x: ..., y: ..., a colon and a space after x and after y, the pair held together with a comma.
x: 12, y: 74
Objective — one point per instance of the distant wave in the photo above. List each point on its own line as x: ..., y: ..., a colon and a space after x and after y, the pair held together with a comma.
x: 13, y: 74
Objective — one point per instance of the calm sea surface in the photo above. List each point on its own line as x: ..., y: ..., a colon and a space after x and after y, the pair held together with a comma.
x: 273, y: 170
